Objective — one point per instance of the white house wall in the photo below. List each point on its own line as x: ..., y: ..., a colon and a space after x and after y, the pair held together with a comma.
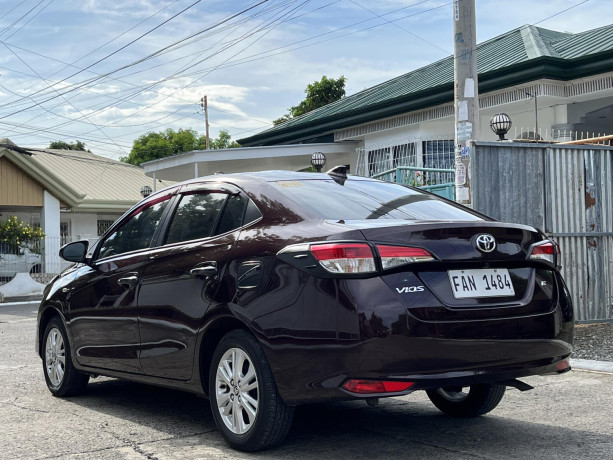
x: 579, y: 109
x: 50, y: 224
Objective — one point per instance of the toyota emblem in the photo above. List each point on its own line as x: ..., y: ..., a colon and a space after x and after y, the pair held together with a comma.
x: 486, y: 243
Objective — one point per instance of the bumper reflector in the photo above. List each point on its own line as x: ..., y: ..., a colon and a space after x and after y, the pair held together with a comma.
x: 376, y: 386
x: 563, y: 366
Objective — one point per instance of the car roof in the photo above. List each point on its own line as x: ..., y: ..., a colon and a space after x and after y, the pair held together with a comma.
x: 267, y: 176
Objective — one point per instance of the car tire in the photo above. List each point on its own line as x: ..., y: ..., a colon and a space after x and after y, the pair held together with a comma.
x: 246, y: 406
x: 478, y: 400
x: 60, y: 374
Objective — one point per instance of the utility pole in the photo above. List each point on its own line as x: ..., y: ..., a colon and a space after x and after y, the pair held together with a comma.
x: 203, y: 103
x: 466, y: 94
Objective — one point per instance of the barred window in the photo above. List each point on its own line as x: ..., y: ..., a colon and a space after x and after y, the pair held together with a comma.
x: 439, y: 154
x: 65, y: 235
x: 386, y: 158
x: 103, y: 225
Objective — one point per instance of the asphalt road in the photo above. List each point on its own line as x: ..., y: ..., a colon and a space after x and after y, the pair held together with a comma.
x: 567, y: 416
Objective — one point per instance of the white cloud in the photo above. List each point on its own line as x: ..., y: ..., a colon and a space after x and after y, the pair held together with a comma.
x: 238, y: 95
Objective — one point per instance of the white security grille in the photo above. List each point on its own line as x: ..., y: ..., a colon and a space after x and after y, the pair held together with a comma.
x: 103, y: 225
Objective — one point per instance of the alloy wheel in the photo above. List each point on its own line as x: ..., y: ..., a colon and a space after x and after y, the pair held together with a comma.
x: 55, y: 357
x: 237, y: 391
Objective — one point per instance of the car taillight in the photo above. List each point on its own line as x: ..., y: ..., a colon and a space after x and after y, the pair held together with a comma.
x: 345, y: 257
x: 376, y: 386
x: 547, y: 250
x: 393, y: 256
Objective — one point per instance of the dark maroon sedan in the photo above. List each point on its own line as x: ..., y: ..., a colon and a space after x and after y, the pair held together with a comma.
x: 268, y: 290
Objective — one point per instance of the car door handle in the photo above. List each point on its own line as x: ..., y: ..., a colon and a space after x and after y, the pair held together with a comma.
x: 128, y: 281
x: 206, y: 269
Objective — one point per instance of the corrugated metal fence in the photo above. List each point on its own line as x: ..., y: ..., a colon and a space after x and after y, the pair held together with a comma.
x: 566, y: 191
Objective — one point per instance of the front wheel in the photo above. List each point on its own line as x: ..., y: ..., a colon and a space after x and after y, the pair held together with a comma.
x: 245, y: 402
x: 467, y: 402
x: 61, y: 376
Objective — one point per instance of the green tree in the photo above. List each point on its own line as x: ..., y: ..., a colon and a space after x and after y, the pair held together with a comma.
x: 61, y: 145
x: 152, y: 146
x: 223, y: 141
x: 318, y: 94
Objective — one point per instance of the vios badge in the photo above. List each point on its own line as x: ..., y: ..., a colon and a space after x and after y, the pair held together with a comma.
x: 486, y: 242
x: 410, y: 289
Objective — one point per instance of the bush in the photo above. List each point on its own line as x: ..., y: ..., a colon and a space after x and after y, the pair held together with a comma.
x: 14, y: 234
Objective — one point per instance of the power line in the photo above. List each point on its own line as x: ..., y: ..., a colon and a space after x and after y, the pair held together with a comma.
x: 6, y: 29
x: 255, y: 30
x: 150, y: 56
x: 66, y: 65
x: 560, y: 12
x: 400, y: 27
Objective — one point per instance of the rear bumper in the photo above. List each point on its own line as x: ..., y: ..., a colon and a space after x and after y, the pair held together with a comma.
x: 385, y: 342
x: 316, y: 374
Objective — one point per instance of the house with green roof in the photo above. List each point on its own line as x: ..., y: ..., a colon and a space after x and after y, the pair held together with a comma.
x: 409, y: 119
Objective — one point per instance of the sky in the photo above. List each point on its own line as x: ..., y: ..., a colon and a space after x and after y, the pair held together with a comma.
x: 106, y: 72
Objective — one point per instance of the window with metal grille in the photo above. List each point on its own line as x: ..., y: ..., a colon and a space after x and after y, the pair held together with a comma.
x: 439, y: 154
x: 387, y: 158
x: 65, y: 235
x: 103, y: 225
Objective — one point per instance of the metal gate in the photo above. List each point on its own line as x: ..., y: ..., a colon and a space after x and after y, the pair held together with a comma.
x: 566, y: 191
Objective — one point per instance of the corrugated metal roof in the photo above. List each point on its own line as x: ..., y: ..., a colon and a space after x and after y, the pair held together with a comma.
x: 495, y: 54
x: 585, y: 43
x: 96, y: 177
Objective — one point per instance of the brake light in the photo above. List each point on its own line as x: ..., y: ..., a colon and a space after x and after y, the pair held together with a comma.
x: 393, y: 256
x: 345, y: 257
x: 376, y: 386
x: 547, y: 250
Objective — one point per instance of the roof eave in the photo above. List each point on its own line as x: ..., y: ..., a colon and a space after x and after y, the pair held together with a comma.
x: 53, y: 184
x: 102, y: 206
x: 542, y: 67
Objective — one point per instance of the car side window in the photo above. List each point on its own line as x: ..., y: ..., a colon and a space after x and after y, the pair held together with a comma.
x: 232, y: 215
x: 195, y: 217
x: 136, y: 233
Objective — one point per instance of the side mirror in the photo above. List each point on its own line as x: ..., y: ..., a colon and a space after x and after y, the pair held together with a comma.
x: 22, y: 251
x: 74, y: 252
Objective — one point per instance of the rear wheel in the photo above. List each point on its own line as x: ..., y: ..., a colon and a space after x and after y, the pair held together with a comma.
x: 467, y: 401
x: 60, y: 374
x: 245, y: 402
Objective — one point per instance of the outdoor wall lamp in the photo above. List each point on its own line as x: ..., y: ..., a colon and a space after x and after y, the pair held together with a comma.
x: 145, y: 191
x: 500, y: 124
x: 318, y: 160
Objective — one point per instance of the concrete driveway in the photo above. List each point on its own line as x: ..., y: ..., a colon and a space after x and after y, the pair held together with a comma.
x: 567, y: 416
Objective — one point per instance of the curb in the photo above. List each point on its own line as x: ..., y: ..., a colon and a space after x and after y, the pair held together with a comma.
x: 592, y: 365
x: 24, y: 298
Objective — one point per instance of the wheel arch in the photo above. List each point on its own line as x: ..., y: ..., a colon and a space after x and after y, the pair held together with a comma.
x: 214, y: 332
x: 48, y: 313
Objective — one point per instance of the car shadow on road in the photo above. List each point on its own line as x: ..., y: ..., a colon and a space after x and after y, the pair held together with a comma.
x: 398, y: 426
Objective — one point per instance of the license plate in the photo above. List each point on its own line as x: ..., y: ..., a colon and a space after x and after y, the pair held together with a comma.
x: 486, y: 282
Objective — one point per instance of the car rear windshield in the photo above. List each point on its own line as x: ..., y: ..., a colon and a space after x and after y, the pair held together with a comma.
x: 362, y: 199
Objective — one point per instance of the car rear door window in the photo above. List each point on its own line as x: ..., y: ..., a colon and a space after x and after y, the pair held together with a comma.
x: 196, y: 217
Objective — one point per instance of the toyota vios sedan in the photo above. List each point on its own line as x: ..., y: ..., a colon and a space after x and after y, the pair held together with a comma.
x: 263, y: 291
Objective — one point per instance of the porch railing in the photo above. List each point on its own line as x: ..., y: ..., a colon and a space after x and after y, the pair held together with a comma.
x: 436, y: 180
